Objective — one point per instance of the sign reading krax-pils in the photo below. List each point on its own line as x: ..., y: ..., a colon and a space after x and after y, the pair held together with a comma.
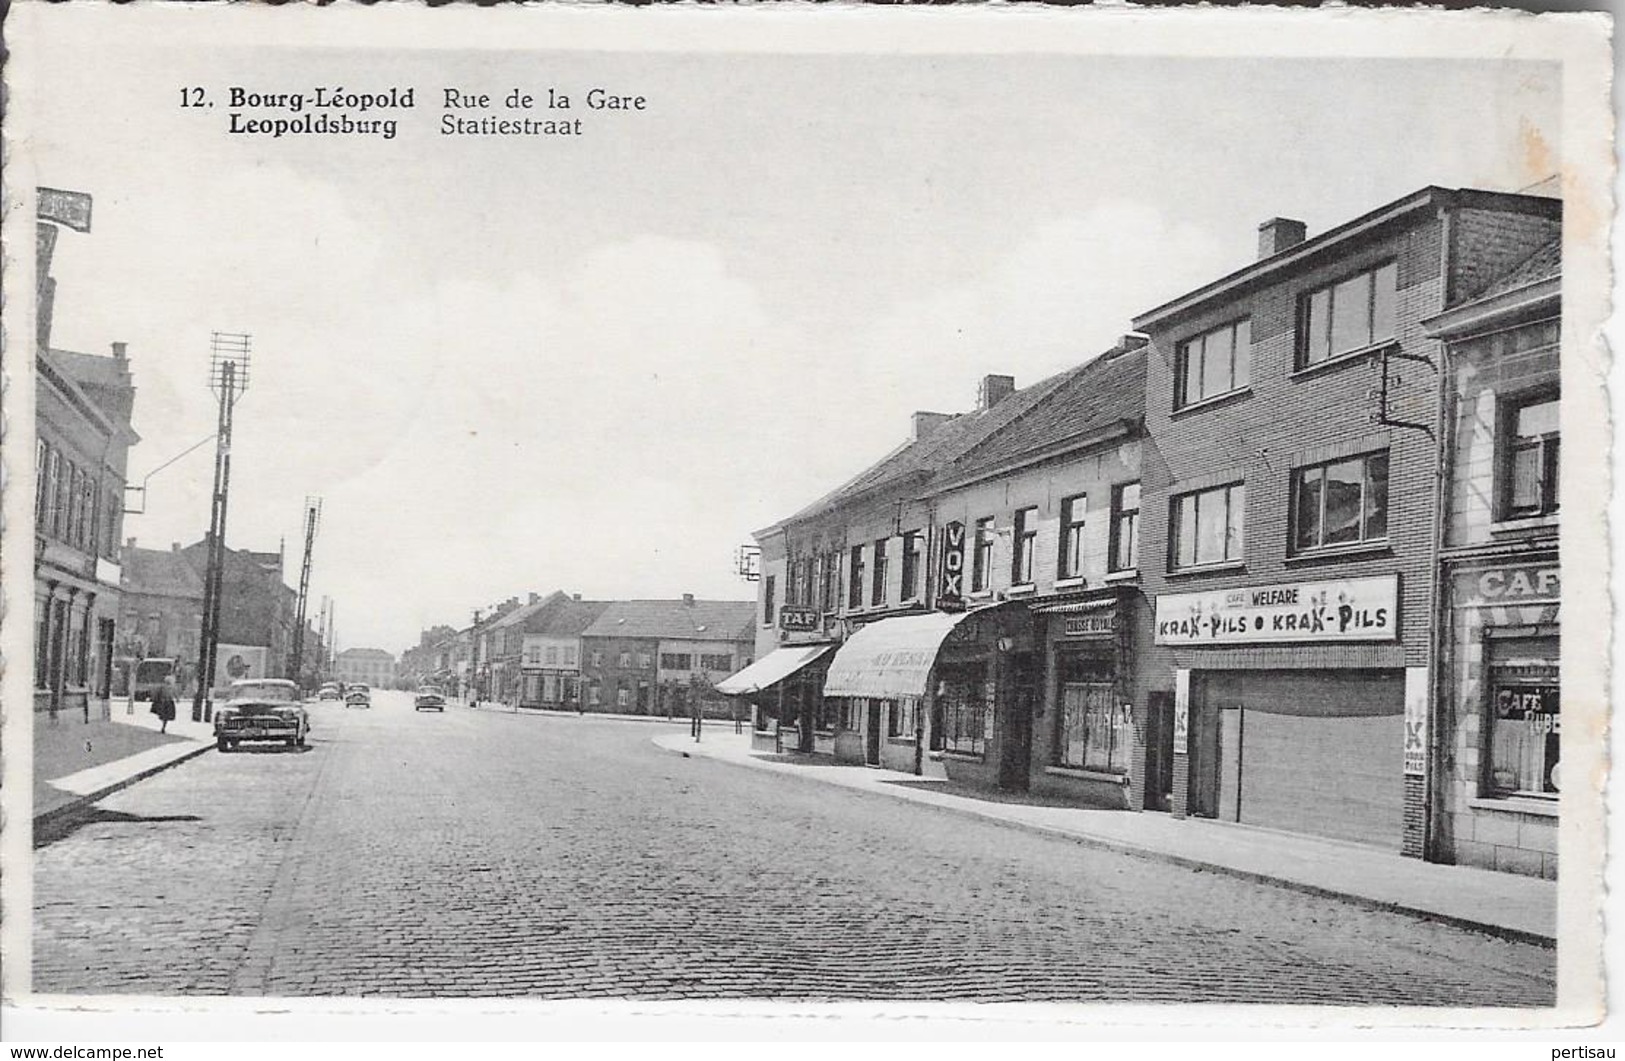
x: 1362, y: 609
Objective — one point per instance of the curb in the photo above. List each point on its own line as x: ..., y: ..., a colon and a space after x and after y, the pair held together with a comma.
x: 1152, y: 854
x: 45, y: 821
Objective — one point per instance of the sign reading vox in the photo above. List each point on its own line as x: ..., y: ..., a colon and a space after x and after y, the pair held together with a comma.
x: 951, y: 587
x: 1361, y: 609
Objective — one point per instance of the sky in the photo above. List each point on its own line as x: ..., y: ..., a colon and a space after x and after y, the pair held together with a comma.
x: 598, y: 364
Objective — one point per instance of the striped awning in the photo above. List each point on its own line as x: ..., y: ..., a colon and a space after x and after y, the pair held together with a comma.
x: 1068, y: 607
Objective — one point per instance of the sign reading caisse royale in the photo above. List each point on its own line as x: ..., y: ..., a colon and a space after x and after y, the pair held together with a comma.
x: 1361, y: 609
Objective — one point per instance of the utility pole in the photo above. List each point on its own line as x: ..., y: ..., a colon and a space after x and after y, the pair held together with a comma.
x: 313, y: 515
x: 228, y: 378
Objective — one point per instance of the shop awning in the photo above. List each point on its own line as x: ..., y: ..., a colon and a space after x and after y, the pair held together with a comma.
x: 771, y: 669
x: 1072, y: 607
x: 891, y: 658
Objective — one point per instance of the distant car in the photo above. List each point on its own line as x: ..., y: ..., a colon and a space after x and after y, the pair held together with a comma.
x: 330, y: 691
x: 429, y: 698
x: 261, y: 709
x: 357, y: 695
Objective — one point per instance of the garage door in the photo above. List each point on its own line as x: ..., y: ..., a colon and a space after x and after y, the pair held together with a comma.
x: 1316, y: 752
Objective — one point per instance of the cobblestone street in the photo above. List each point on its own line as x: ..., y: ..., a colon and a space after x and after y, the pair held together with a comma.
x: 480, y: 853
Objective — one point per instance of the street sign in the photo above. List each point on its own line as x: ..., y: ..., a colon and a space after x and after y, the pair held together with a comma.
x: 64, y: 208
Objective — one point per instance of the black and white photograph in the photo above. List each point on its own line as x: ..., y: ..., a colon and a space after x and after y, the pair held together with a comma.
x: 1051, y: 516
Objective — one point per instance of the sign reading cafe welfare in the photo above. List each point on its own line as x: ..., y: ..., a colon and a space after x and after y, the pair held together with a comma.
x: 1361, y: 609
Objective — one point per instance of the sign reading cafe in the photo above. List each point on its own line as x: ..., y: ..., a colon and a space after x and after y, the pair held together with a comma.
x: 1361, y: 609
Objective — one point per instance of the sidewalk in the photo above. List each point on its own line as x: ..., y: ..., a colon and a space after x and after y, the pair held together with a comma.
x: 551, y: 712
x: 77, y: 763
x: 1503, y: 904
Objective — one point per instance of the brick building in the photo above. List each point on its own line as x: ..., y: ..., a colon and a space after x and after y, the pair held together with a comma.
x: 649, y: 657
x: 161, y: 609
x: 550, y: 652
x: 1497, y: 767
x: 1289, y: 514
x: 83, y: 404
x: 257, y: 609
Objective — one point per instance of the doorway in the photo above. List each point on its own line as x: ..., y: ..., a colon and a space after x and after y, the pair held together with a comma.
x: 871, y: 746
x: 1016, y: 748
x: 1159, y: 751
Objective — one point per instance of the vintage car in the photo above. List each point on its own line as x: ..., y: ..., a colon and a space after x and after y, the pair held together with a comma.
x: 357, y: 695
x: 429, y: 698
x: 261, y: 709
x: 330, y: 691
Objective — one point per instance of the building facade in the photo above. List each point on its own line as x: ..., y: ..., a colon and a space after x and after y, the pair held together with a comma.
x: 621, y: 654
x: 1290, y: 507
x: 550, y: 655
x: 83, y: 404
x: 368, y: 666
x: 161, y: 609
x: 1496, y: 729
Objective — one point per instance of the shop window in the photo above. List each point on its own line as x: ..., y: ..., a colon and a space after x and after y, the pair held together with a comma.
x: 1073, y: 513
x: 1208, y: 526
x: 676, y: 661
x: 913, y: 554
x: 877, y: 595
x: 767, y: 602
x: 901, y: 718
x: 1529, y: 440
x: 981, y: 567
x: 965, y: 711
x: 852, y: 713
x: 1340, y: 503
x: 1025, y: 541
x: 1094, y: 730
x: 1214, y: 363
x: 595, y: 694
x: 1125, y: 536
x: 1349, y: 315
x: 854, y: 591
x: 1523, y: 741
x: 623, y: 696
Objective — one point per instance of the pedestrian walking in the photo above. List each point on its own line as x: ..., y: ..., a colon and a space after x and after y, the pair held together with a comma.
x: 696, y: 712
x: 163, y: 704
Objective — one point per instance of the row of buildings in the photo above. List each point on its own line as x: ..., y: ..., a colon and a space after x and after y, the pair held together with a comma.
x: 101, y: 606
x: 1286, y: 554
x: 558, y: 651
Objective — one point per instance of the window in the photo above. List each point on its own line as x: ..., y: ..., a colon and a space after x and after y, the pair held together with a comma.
x: 854, y: 590
x: 1208, y: 526
x: 830, y: 590
x: 1213, y: 363
x: 1524, y: 736
x: 1530, y: 440
x: 552, y: 654
x: 1125, y: 543
x: 53, y: 504
x: 1025, y: 541
x: 913, y: 553
x: 623, y: 696
x: 1073, y: 512
x: 852, y: 713
x: 877, y: 594
x: 626, y: 659
x: 597, y: 658
x: 982, y: 556
x: 644, y: 660
x: 767, y: 600
x: 716, y: 662
x: 1096, y: 732
x: 569, y: 655
x: 901, y: 720
x: 1347, y: 315
x: 1340, y: 503
x: 676, y: 661
x: 42, y: 461
x: 965, y: 711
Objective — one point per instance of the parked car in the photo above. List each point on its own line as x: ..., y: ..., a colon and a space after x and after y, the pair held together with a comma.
x: 150, y: 675
x: 330, y: 691
x: 429, y: 698
x: 261, y: 709
x: 357, y: 695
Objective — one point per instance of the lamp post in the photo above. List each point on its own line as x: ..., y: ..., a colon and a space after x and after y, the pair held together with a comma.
x: 228, y: 378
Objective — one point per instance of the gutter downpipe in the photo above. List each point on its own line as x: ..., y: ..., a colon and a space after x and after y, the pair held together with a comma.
x: 929, y: 597
x: 1444, y: 407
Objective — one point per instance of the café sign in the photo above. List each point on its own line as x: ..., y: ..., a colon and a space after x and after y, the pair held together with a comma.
x: 794, y: 618
x: 951, y: 587
x: 1361, y: 609
x: 1512, y: 584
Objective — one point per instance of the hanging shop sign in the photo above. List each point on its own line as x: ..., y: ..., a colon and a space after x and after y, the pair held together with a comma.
x: 1363, y: 609
x: 951, y: 586
x: 1515, y: 584
x: 794, y: 618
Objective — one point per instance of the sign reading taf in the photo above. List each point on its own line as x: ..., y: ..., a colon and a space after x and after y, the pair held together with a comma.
x: 1361, y: 609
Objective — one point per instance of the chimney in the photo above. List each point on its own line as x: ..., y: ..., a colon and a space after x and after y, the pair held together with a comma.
x: 1126, y: 345
x: 534, y: 597
x: 575, y: 596
x: 174, y: 547
x: 1279, y: 234
x: 688, y: 599
x: 993, y: 390
x: 926, y: 423
x: 118, y: 350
